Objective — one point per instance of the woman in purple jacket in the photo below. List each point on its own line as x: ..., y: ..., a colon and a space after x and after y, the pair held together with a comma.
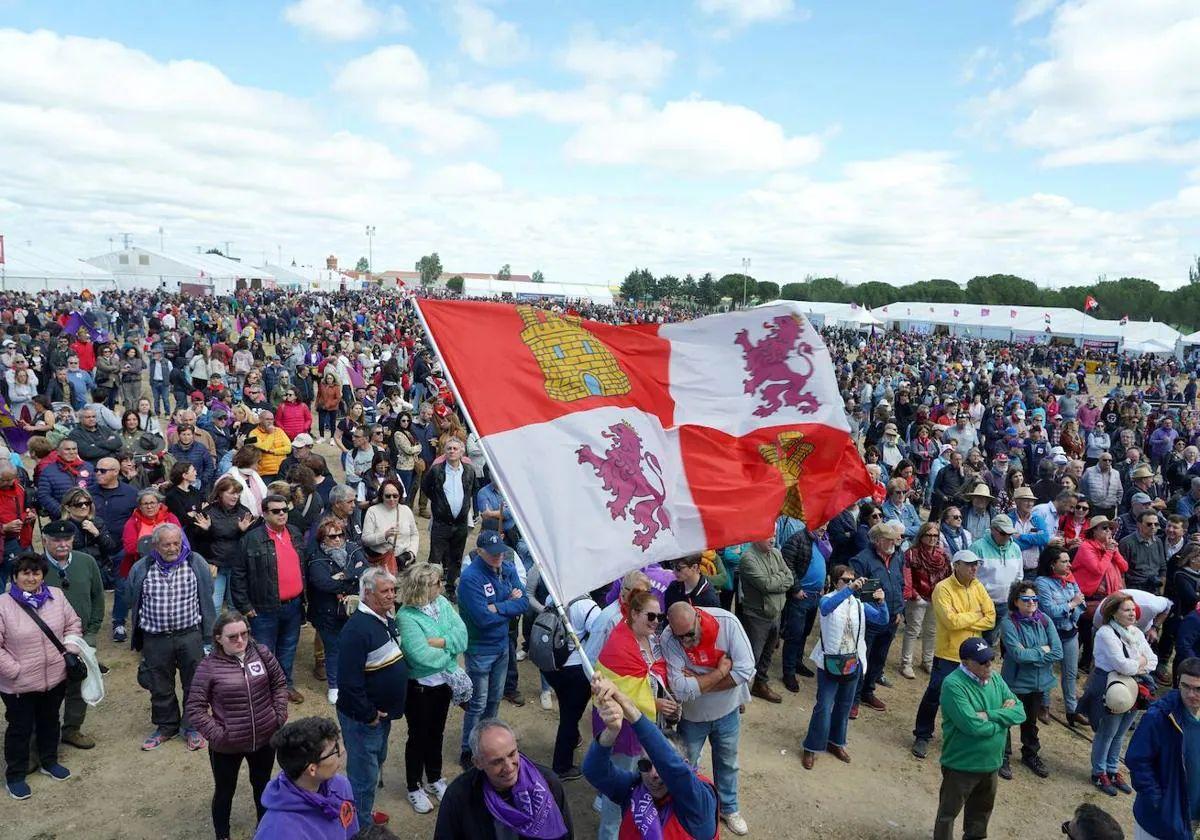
x: 238, y: 700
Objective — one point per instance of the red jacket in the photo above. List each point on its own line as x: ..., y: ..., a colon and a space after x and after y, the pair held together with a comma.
x: 293, y: 418
x: 1094, y: 562
x: 238, y: 705
x: 136, y: 527
x: 86, y: 351
x: 12, y: 506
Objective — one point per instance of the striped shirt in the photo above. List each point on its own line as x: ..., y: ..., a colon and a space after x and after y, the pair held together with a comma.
x: 170, y: 600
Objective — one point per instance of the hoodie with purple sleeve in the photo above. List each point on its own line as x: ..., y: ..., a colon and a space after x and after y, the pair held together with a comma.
x: 295, y: 814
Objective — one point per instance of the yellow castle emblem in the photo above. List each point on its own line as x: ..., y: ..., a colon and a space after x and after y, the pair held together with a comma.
x: 787, y: 455
x: 575, y: 363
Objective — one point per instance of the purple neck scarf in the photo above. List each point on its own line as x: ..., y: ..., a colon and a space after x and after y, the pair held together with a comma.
x: 33, y: 599
x: 1036, y: 617
x: 329, y: 804
x: 165, y: 567
x: 648, y: 818
x: 533, y: 811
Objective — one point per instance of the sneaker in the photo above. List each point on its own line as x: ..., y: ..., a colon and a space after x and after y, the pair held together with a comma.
x: 420, y: 801
x: 1103, y: 784
x: 1118, y: 781
x: 332, y: 696
x: 380, y: 817
x: 920, y: 747
x: 884, y: 681
x: 77, y: 739
x: 1006, y: 771
x: 547, y: 699
x: 56, y: 772
x: 118, y: 633
x: 437, y: 789
x: 195, y: 741
x: 1035, y: 763
x: 516, y: 698
x: 571, y: 774
x: 522, y: 656
x: 906, y: 671
x: 19, y: 790
x: 156, y: 740
x: 805, y: 671
x: 735, y: 823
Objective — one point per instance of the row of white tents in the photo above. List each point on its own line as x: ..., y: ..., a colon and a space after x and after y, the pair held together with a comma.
x: 1033, y: 324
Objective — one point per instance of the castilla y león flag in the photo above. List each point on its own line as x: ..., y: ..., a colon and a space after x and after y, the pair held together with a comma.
x: 620, y: 446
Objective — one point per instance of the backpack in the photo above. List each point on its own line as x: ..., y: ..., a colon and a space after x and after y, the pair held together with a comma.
x: 550, y: 644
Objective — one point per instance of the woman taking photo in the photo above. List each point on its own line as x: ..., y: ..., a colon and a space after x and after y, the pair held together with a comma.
x: 223, y: 520
x: 925, y: 563
x: 842, y: 648
x: 33, y: 674
x: 1031, y: 647
x: 329, y: 398
x: 1120, y: 649
x: 333, y: 573
x: 389, y: 531
x: 91, y: 534
x: 1060, y: 598
x: 183, y: 498
x: 432, y: 637
x: 408, y: 450
x: 237, y: 700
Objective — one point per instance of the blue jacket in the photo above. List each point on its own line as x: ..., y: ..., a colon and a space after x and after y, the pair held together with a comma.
x: 54, y: 482
x: 1157, y: 771
x: 479, y: 586
x: 115, y: 506
x: 1038, y: 538
x: 198, y: 456
x: 1027, y: 668
x: 907, y: 515
x: 1053, y: 597
x: 891, y: 577
x: 1187, y: 639
x: 372, y: 675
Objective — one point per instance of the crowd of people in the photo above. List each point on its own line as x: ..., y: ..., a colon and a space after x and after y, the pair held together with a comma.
x: 234, y: 469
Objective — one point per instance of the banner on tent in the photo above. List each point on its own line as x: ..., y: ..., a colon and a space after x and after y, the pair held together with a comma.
x: 1099, y: 345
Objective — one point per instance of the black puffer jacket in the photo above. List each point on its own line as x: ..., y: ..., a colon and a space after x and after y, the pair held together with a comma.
x: 222, y: 542
x: 238, y: 705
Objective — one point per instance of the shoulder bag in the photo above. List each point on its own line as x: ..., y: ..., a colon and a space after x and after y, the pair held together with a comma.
x: 843, y: 667
x: 76, y: 667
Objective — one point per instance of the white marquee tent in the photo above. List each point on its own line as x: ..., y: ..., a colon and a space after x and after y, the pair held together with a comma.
x: 33, y: 269
x: 181, y: 271
x: 525, y: 290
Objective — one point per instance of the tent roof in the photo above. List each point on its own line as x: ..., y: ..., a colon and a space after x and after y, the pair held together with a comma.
x: 482, y: 286
x: 191, y: 264
x: 1192, y: 338
x: 22, y: 261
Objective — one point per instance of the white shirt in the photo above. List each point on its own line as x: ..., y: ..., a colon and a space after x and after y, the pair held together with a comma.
x: 1150, y: 606
x: 1108, y: 655
x: 584, y: 616
x: 453, y: 487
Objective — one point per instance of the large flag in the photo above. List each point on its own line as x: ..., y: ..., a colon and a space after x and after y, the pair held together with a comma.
x: 620, y: 446
x: 77, y: 321
x: 1090, y: 303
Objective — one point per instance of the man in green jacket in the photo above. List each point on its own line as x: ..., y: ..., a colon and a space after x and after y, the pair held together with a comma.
x: 765, y: 580
x: 78, y: 575
x: 977, y: 710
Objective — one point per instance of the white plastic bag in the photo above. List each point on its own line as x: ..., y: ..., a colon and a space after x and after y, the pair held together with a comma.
x: 92, y: 687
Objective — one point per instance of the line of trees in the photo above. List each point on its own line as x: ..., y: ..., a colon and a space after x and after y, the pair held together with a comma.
x: 1140, y: 299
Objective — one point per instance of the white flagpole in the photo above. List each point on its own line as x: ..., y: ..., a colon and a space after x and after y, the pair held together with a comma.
x: 513, y: 506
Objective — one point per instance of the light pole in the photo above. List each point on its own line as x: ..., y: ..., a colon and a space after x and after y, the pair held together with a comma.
x: 370, y: 249
x: 745, y: 278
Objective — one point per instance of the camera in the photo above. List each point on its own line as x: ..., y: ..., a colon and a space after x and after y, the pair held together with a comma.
x: 869, y: 587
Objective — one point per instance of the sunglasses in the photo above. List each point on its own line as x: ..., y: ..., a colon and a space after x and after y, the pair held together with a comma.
x: 277, y: 510
x: 335, y: 535
x: 233, y: 637
x: 653, y: 617
x: 81, y: 504
x: 846, y: 580
x: 1029, y: 599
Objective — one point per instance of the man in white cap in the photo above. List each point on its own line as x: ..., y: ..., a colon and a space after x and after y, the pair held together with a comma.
x: 302, y: 444
x: 1031, y: 535
x: 1000, y: 566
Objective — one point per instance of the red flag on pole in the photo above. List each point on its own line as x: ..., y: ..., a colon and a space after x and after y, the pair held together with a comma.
x: 1012, y: 313
x: 653, y: 441
x: 984, y: 312
x: 1090, y: 303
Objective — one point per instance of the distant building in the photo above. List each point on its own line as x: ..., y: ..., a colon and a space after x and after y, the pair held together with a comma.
x: 413, y: 278
x: 182, y: 272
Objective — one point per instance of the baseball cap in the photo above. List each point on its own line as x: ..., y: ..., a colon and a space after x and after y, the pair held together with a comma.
x: 490, y: 542
x: 1141, y: 499
x: 965, y: 556
x: 1003, y: 524
x: 302, y: 439
x: 976, y: 649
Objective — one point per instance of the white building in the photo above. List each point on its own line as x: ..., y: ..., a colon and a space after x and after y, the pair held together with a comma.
x: 31, y: 269
x: 181, y: 271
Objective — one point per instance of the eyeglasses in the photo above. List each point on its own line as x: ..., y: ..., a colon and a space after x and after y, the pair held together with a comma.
x: 1029, y: 599
x: 233, y: 637
x: 105, y: 470
x: 335, y: 535
x: 277, y: 510
x: 1191, y: 688
x: 645, y: 765
x: 337, y: 750
x: 930, y: 536
x: 391, y: 495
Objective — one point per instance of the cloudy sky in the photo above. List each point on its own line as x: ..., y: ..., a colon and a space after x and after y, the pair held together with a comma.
x: 892, y: 141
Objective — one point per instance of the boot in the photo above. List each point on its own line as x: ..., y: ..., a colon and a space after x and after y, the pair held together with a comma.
x: 319, y: 671
x: 762, y: 690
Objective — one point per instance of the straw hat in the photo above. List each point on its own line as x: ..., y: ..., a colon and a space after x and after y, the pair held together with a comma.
x: 1096, y: 522
x: 982, y: 491
x: 1023, y: 493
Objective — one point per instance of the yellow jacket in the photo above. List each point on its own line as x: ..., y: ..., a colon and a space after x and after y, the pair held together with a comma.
x: 961, y: 612
x: 274, y: 447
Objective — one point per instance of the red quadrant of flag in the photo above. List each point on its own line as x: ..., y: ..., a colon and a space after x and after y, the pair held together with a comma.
x: 518, y: 365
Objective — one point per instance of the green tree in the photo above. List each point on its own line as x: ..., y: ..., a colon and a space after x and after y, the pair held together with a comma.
x: 875, y: 293
x: 668, y: 287
x: 362, y: 266
x: 505, y: 272
x: 1194, y: 273
x: 794, y: 291
x: 736, y: 286
x: 829, y: 289
x: 706, y: 291
x: 766, y: 290
x: 636, y: 284
x: 455, y: 284
x: 430, y: 269
x: 688, y: 288
x: 934, y: 291
x: 1002, y: 289
x: 538, y: 277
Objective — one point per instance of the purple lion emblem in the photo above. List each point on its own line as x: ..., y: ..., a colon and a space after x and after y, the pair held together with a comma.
x: 767, y: 365
x: 624, y: 476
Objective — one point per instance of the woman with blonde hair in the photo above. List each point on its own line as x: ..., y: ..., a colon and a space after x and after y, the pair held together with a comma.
x: 432, y: 636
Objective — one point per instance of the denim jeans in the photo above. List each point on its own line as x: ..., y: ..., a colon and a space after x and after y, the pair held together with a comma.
x: 1107, y: 741
x: 279, y: 631
x: 328, y: 634
x: 120, y: 599
x: 798, y: 617
x: 879, y: 642
x: 927, y: 711
x: 160, y: 391
x: 831, y: 712
x: 220, y: 588
x: 1069, y: 667
x: 366, y: 750
x: 723, y: 733
x: 487, y: 672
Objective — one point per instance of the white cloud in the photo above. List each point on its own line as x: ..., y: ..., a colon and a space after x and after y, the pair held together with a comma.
x: 1115, y: 69
x: 746, y: 12
x: 696, y: 136
x: 344, y: 20
x: 484, y: 37
x: 507, y: 100
x: 393, y: 84
x: 463, y: 179
x: 1028, y: 10
x: 640, y: 65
